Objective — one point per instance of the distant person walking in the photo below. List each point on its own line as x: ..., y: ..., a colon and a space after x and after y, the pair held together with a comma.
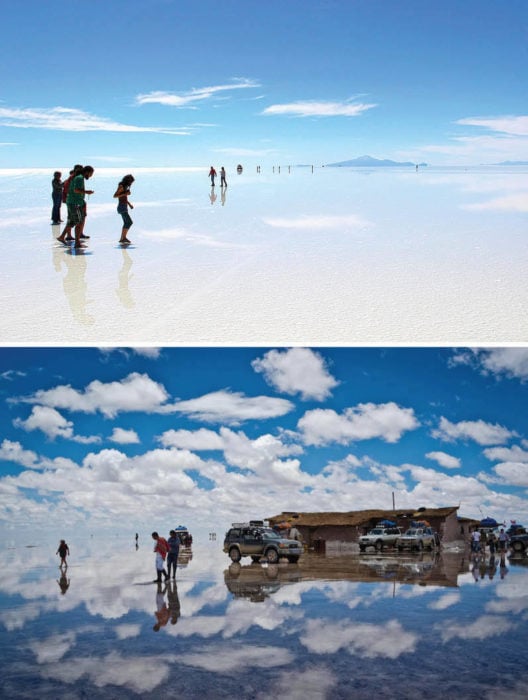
x: 63, y: 551
x: 122, y: 192
x: 174, y: 550
x: 212, y: 175
x: 223, y: 181
x: 56, y: 196
x: 160, y: 548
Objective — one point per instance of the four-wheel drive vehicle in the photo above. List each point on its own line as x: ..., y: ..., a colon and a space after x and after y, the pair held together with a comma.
x: 417, y: 538
x: 519, y: 543
x: 257, y: 542
x: 380, y: 537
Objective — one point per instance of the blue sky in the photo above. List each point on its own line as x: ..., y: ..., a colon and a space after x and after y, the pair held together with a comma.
x: 123, y: 438
x: 179, y: 82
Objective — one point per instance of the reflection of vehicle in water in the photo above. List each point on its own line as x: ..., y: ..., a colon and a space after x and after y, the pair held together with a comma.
x: 184, y: 557
x: 410, y: 570
x: 258, y: 582
x: 248, y: 540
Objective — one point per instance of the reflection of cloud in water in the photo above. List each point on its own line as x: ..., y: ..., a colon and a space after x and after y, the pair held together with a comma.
x: 183, y: 234
x: 314, y: 683
x: 484, y: 627
x: 138, y: 673
x: 127, y: 631
x: 389, y: 640
x: 446, y: 601
x: 318, y: 222
x: 53, y: 648
x: 225, y: 659
x: 513, y: 202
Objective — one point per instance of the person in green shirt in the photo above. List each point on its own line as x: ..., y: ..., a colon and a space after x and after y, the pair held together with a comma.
x: 76, y: 203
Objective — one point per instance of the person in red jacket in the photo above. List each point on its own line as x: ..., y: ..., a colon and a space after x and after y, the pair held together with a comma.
x: 160, y: 548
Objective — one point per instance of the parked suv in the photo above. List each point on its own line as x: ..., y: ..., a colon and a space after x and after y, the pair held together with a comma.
x: 380, y: 537
x: 243, y: 540
x: 519, y: 543
x: 417, y: 538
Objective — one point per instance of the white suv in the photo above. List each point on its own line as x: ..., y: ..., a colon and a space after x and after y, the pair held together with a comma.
x: 417, y: 538
x: 379, y: 537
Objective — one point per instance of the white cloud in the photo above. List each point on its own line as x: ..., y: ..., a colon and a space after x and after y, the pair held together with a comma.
x: 512, y: 362
x: 481, y: 432
x: 506, y: 454
x: 365, y: 421
x: 309, y: 108
x: 515, y: 473
x: 231, y: 407
x: 137, y: 392
x: 298, y: 370
x: 69, y: 119
x: 124, y: 437
x: 223, y: 659
x: 509, y: 124
x: 196, y: 95
x: 202, y: 439
x: 483, y: 627
x: 49, y: 421
x: 14, y: 452
x: 444, y: 460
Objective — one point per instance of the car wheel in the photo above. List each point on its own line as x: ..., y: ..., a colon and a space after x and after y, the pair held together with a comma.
x: 361, y: 549
x: 272, y: 556
x: 518, y: 547
x: 379, y: 545
x: 234, y: 554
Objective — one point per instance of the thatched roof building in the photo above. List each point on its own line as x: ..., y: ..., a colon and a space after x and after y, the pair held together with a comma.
x: 348, y: 526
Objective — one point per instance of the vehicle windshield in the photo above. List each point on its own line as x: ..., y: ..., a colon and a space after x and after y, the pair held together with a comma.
x: 270, y: 534
x: 376, y: 531
x: 412, y: 533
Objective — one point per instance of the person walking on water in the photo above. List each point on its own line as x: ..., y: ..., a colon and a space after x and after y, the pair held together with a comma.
x: 223, y: 181
x: 160, y: 548
x: 212, y: 175
x: 174, y: 550
x: 122, y: 192
x: 63, y: 551
x: 56, y: 196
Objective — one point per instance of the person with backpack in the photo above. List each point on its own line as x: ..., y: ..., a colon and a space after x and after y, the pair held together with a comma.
x: 160, y: 549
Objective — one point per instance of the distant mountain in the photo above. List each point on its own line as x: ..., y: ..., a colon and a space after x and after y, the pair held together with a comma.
x: 513, y: 162
x: 368, y: 161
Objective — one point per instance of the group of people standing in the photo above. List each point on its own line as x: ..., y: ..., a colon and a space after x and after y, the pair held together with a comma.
x: 499, y: 542
x: 73, y: 192
x: 213, y: 174
x: 166, y: 550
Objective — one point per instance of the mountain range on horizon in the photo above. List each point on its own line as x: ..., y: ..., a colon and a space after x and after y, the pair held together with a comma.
x: 369, y: 161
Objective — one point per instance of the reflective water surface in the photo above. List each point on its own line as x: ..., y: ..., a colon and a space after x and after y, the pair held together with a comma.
x: 347, y: 255
x: 339, y: 625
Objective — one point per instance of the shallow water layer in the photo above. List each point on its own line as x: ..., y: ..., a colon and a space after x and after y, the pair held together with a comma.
x: 336, y: 255
x: 339, y: 625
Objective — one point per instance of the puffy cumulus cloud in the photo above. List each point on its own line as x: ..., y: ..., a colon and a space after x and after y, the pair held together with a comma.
x: 136, y: 392
x: 14, y: 452
x: 514, y: 473
x: 202, y: 439
x: 127, y: 631
x: 48, y: 420
x: 389, y: 640
x: 477, y: 430
x: 298, y: 370
x: 224, y: 659
x: 365, y: 421
x: 231, y: 407
x: 506, y: 454
x: 53, y: 425
x: 483, y: 627
x: 444, y: 460
x: 124, y: 437
x: 309, y: 108
x: 508, y: 362
x: 53, y: 648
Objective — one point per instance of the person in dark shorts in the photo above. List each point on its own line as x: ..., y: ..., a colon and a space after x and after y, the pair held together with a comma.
x: 63, y: 551
x: 122, y: 192
x: 56, y: 196
x: 66, y: 235
x: 223, y: 181
x: 212, y: 175
x: 76, y: 203
x: 174, y: 550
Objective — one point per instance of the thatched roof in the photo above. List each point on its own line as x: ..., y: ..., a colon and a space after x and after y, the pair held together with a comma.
x: 358, y: 517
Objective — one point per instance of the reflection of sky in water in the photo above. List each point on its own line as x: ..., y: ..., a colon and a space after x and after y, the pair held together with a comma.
x: 341, y: 254
x: 333, y: 627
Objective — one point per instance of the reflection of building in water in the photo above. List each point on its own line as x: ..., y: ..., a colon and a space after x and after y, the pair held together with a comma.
x: 123, y: 293
x: 74, y: 282
x: 257, y: 582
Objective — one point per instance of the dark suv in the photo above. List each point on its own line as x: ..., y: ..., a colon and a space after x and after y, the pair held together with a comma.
x: 244, y: 540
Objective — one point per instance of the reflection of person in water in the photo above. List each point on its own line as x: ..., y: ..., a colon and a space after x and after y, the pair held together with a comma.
x: 503, y: 567
x: 123, y: 292
x: 75, y: 287
x: 162, y: 611
x: 212, y: 196
x: 174, y: 602
x: 64, y: 582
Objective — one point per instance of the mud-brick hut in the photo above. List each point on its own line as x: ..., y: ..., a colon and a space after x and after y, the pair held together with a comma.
x: 349, y: 526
